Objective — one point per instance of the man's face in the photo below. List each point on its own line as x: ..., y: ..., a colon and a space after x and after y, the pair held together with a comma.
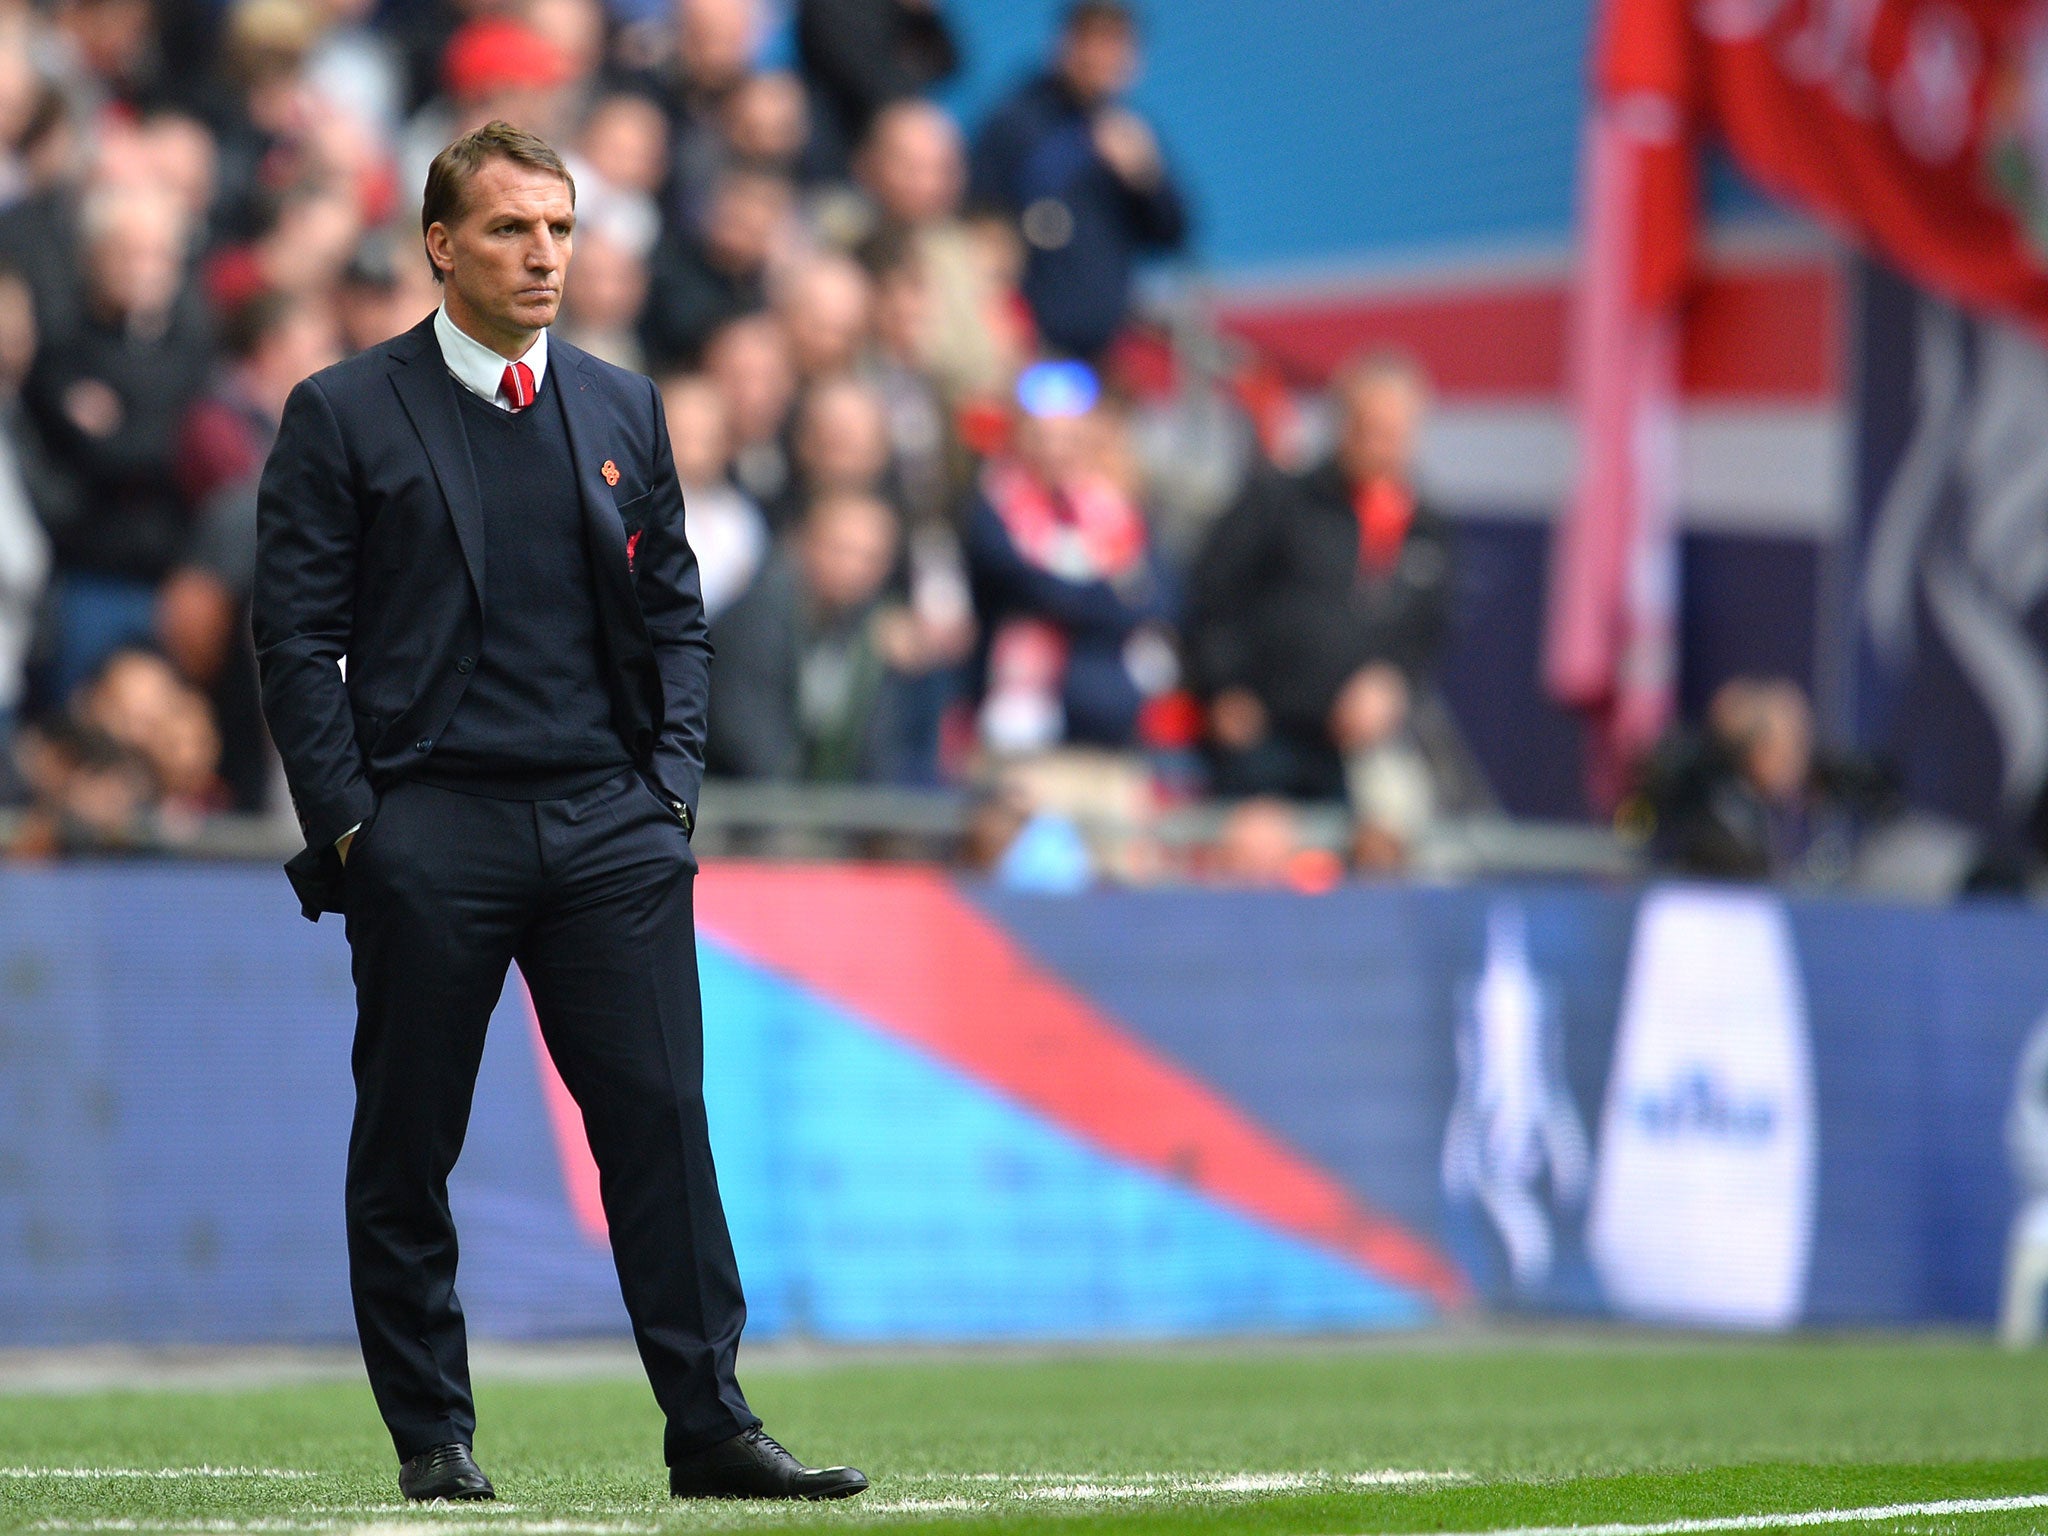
x: 697, y: 430
x: 915, y: 168
x: 747, y: 216
x: 716, y: 41
x: 136, y: 263
x: 1056, y: 448
x: 843, y: 441
x: 506, y: 257
x: 1099, y: 60
x: 848, y: 546
x: 1378, y: 430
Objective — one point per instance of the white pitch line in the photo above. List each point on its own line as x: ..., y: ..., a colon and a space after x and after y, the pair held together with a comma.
x: 91, y: 1473
x: 1081, y: 1493
x: 1790, y: 1520
x: 1195, y: 1482
x: 380, y: 1528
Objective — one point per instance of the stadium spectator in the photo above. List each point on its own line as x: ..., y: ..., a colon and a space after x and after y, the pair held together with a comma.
x: 21, y: 90
x: 386, y: 288
x: 267, y: 346
x: 921, y: 443
x: 1020, y: 845
x: 1732, y: 800
x: 1084, y: 178
x: 178, y: 154
x: 24, y: 549
x: 826, y: 304
x: 1073, y: 604
x: 202, y: 608
x: 712, y: 54
x: 494, y: 66
x: 39, y: 230
x: 766, y: 124
x: 262, y: 121
x: 138, y: 700
x: 860, y: 55
x: 697, y: 284
x: 727, y: 531
x: 108, y: 398
x: 1319, y: 602
x: 1261, y: 842
x: 576, y: 30
x: 304, y: 247
x: 914, y: 171
x: 806, y: 657
x: 87, y: 793
x: 356, y: 63
x: 104, y: 52
x: 841, y: 445
x: 620, y: 161
x: 748, y: 359
x: 601, y: 309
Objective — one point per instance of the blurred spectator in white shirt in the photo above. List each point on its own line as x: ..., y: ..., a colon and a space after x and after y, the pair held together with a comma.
x: 619, y: 161
x: 24, y: 550
x: 727, y: 531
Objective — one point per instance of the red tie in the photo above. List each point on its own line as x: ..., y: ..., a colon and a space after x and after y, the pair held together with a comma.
x: 517, y: 386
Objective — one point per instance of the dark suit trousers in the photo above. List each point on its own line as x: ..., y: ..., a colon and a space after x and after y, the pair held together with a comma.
x: 591, y: 896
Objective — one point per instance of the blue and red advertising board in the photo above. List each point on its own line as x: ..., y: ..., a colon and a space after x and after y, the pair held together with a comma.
x: 943, y: 1113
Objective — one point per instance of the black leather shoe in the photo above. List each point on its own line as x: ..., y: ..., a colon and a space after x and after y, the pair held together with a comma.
x: 753, y: 1466
x: 445, y: 1472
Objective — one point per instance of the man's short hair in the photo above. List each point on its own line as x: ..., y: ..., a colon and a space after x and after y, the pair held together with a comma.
x: 448, y: 178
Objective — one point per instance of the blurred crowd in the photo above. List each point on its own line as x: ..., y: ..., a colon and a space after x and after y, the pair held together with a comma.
x: 897, y: 359
x: 961, y: 519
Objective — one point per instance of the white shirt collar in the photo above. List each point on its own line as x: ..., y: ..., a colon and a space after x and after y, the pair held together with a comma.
x: 476, y: 367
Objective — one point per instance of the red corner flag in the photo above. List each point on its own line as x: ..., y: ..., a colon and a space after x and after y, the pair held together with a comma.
x: 1610, y: 649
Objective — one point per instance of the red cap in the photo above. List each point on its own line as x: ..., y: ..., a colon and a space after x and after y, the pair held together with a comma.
x: 496, y: 53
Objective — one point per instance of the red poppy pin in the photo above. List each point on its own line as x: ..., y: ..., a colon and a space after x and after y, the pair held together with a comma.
x: 632, y: 549
x: 610, y: 472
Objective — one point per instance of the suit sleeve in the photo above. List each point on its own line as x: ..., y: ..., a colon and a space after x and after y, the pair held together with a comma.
x: 672, y: 601
x: 308, y: 535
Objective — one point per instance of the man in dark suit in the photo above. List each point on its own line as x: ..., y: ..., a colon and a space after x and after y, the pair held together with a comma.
x: 484, y: 663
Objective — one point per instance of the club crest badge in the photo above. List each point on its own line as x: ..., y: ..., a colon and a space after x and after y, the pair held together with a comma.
x: 610, y: 472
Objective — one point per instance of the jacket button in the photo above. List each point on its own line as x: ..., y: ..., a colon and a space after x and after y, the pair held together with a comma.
x: 465, y: 664
x: 424, y: 744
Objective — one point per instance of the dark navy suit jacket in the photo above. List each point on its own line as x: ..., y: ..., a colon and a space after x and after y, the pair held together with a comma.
x: 370, y: 547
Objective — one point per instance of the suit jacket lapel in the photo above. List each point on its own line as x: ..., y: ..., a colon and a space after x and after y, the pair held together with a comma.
x: 427, y: 390
x: 584, y: 418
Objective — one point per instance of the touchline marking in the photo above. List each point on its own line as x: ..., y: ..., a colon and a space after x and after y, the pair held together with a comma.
x: 150, y: 1472
x: 425, y: 1522
x: 1056, y: 1484
x: 1788, y: 1521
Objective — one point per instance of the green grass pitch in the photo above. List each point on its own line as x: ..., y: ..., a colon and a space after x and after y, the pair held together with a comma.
x: 1627, y: 1436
